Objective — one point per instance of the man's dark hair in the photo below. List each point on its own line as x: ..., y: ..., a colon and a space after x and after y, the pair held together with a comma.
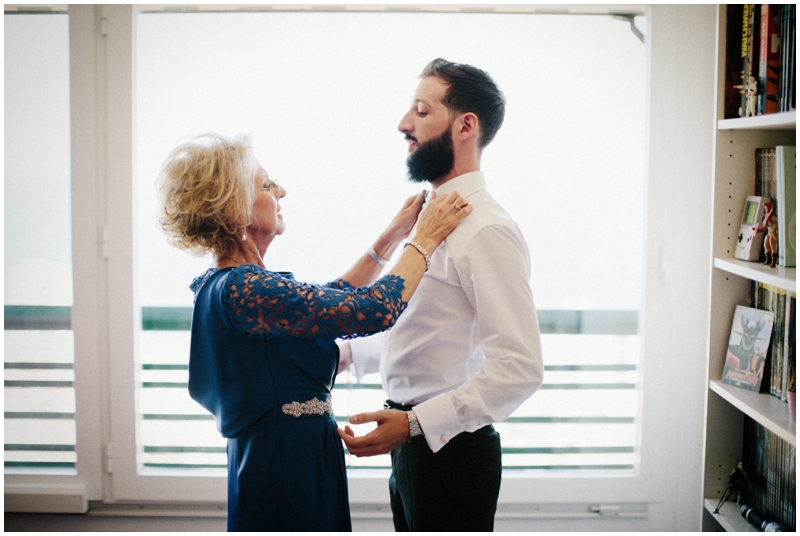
x: 471, y: 90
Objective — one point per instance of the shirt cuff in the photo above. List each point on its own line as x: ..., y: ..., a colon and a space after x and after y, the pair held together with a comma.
x: 366, y: 355
x: 438, y: 420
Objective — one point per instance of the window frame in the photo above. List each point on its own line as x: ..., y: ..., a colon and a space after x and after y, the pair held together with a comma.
x: 72, y: 493
x: 102, y: 72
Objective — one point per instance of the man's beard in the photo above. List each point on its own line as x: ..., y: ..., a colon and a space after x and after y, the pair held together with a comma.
x: 432, y: 160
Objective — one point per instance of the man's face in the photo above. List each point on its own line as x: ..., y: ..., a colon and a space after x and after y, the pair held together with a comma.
x: 427, y: 127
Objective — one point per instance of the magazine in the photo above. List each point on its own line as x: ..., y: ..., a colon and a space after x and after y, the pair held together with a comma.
x: 747, y: 347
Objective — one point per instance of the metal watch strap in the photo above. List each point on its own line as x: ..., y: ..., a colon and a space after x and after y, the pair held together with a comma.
x: 414, y: 428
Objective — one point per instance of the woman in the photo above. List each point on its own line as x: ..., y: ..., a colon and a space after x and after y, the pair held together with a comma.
x: 263, y: 354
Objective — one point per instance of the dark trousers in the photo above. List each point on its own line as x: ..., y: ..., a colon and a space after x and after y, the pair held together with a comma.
x: 455, y: 489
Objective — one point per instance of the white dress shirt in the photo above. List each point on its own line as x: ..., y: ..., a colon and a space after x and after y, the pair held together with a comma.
x: 466, y: 352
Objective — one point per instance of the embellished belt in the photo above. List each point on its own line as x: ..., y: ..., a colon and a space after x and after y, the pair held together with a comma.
x: 312, y: 407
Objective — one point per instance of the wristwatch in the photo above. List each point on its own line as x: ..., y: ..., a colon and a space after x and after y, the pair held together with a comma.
x: 414, y: 428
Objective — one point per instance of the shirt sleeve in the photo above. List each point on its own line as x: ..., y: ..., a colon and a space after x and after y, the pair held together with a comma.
x: 366, y: 354
x: 494, y: 270
x: 263, y: 303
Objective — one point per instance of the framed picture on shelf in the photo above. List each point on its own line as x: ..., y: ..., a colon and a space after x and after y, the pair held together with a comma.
x: 747, y: 347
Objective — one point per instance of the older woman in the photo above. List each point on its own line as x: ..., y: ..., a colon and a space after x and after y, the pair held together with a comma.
x: 263, y: 354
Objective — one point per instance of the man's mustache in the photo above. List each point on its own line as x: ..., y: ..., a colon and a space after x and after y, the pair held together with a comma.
x: 412, y: 138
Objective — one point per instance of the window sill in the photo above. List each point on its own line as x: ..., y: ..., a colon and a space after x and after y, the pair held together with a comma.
x: 46, y: 498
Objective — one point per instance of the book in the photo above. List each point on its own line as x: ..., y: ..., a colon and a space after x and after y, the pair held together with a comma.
x: 792, y: 105
x: 791, y: 339
x: 733, y: 62
x: 786, y: 91
x: 776, y: 300
x: 786, y: 201
x: 748, y: 85
x: 777, y: 359
x: 765, y: 173
x: 769, y: 57
x: 748, y: 345
x: 768, y: 463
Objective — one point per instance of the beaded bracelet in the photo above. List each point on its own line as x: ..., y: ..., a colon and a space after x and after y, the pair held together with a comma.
x: 424, y: 253
x: 375, y: 257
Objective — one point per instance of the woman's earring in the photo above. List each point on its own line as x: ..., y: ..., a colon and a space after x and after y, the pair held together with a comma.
x: 244, y: 234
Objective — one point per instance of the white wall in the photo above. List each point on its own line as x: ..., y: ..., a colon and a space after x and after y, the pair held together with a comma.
x: 682, y: 81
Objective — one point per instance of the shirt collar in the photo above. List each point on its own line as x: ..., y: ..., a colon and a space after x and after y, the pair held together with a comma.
x: 466, y: 184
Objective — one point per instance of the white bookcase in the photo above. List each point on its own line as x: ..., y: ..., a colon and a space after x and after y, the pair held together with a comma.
x: 735, y: 141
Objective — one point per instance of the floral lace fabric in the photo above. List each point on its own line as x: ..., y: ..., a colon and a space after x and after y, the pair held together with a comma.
x: 267, y: 304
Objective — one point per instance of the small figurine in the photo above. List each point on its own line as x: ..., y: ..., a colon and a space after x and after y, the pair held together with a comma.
x: 751, y: 97
x: 769, y: 224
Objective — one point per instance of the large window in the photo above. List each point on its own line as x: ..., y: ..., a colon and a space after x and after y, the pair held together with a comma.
x: 323, y: 94
x: 322, y: 90
x: 95, y: 341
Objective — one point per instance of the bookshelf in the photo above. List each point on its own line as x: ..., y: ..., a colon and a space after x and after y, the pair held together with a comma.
x: 735, y: 141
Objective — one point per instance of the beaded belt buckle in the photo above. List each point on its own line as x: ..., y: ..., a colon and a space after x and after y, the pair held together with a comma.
x: 312, y: 407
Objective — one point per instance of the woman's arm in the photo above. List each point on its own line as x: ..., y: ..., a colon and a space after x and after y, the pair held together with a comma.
x: 440, y: 217
x: 265, y: 304
x: 366, y: 269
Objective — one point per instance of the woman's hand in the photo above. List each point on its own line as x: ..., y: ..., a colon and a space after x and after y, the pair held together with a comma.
x: 400, y: 226
x: 368, y: 267
x: 434, y: 223
x: 440, y: 217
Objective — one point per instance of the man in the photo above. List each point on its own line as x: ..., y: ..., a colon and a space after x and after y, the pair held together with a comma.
x: 466, y: 352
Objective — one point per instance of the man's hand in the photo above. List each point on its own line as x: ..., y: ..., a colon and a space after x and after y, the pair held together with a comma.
x: 392, y: 431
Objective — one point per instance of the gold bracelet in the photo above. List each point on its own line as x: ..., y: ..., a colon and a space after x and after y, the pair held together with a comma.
x: 424, y: 253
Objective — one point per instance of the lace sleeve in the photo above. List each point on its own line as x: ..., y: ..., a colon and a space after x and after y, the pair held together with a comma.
x: 265, y: 304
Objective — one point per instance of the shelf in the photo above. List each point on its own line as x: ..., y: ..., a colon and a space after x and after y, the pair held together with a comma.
x: 779, y: 276
x: 729, y: 516
x: 784, y: 121
x: 765, y: 409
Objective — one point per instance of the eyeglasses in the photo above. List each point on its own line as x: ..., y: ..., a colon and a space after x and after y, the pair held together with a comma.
x: 272, y: 184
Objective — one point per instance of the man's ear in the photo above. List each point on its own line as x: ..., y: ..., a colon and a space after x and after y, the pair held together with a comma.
x: 468, y: 126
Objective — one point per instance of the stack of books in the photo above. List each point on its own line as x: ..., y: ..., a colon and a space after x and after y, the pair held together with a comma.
x: 760, y: 60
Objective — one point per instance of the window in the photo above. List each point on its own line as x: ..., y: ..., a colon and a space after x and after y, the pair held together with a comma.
x: 323, y: 94
x: 137, y: 314
x: 39, y: 407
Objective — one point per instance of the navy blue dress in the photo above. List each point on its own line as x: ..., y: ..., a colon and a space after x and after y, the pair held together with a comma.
x: 263, y: 361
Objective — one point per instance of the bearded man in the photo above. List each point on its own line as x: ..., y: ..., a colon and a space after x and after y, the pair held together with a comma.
x: 467, y: 351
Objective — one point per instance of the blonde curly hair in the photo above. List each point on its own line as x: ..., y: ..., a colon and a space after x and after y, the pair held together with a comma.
x: 206, y: 189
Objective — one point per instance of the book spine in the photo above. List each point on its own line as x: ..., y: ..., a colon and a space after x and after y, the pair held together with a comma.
x: 768, y: 463
x: 786, y: 203
x: 780, y: 335
x: 786, y: 90
x: 773, y: 56
x: 785, y: 341
x: 763, y: 52
x: 791, y: 341
x: 792, y: 58
x: 746, y: 55
x: 733, y: 60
